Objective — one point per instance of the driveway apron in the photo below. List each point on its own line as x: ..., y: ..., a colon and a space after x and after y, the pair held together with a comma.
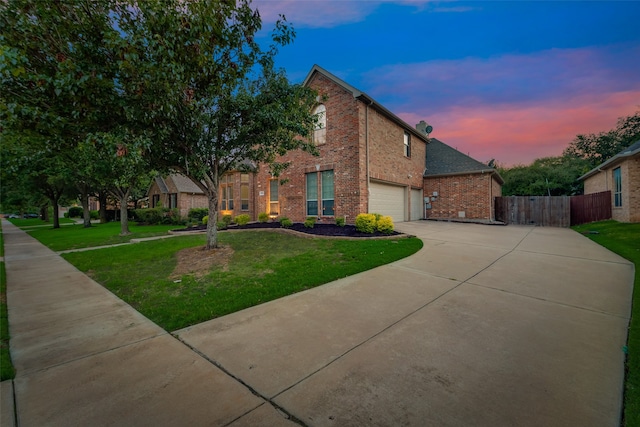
x: 484, y: 326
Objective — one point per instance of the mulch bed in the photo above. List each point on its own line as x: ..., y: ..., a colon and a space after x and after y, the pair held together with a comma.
x: 317, y: 230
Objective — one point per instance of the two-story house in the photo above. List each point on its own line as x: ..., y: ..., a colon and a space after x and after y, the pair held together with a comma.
x: 370, y: 161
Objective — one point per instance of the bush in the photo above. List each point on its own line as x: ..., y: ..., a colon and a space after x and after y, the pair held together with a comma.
x: 94, y: 215
x: 227, y: 219
x: 366, y: 223
x: 385, y: 225
x: 205, y: 219
x: 75, y: 212
x: 340, y: 222
x: 242, y: 219
x: 155, y: 216
x: 310, y: 222
x: 263, y: 217
x: 196, y: 214
x: 285, y: 222
x: 221, y: 225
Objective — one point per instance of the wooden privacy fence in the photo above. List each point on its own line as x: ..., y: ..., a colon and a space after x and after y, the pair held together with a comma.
x: 553, y: 211
x: 590, y: 207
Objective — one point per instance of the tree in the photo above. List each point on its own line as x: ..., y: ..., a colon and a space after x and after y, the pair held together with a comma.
x: 598, y: 148
x: 549, y: 176
x: 58, y: 79
x: 196, y: 79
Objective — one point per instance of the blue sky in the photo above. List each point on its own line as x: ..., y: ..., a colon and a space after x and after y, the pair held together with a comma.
x: 505, y: 80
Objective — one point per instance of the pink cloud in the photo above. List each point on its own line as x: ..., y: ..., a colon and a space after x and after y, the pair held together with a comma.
x: 518, y: 134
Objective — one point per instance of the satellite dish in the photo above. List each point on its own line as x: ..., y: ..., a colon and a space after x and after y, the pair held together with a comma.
x: 429, y: 129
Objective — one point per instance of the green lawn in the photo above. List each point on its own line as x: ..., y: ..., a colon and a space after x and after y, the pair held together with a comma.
x: 36, y: 222
x: 76, y: 236
x: 264, y: 266
x: 624, y: 239
x: 6, y: 367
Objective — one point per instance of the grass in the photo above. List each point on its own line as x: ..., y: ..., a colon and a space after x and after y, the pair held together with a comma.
x: 264, y: 266
x: 36, y: 222
x: 624, y: 239
x: 6, y: 367
x: 76, y: 236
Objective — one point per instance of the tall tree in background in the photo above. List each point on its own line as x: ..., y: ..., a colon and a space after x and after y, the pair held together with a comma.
x: 598, y: 148
x: 197, y: 80
x: 57, y: 81
x: 549, y: 176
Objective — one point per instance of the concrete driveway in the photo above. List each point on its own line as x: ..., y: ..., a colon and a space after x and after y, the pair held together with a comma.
x: 485, y: 326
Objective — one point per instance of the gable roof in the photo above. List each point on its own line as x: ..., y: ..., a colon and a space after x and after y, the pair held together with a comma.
x: 443, y: 160
x: 358, y: 94
x: 632, y: 150
x: 182, y: 183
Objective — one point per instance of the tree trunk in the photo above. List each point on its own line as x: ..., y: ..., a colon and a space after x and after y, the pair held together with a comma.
x: 44, y: 212
x: 212, y: 224
x: 86, y: 214
x: 124, y: 215
x: 102, y: 200
x: 56, y: 213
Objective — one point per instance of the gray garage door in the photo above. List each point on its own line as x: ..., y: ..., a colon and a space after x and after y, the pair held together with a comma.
x: 388, y: 200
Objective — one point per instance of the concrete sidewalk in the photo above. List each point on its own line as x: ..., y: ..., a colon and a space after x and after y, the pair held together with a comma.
x: 484, y: 326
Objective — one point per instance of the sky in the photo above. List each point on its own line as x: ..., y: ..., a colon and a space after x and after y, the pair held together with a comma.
x: 506, y: 80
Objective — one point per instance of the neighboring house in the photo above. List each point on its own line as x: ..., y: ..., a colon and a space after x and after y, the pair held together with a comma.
x: 458, y: 186
x: 370, y: 161
x: 176, y: 191
x: 620, y: 175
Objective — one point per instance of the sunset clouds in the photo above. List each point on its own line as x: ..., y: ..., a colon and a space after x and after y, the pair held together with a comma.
x: 512, y: 81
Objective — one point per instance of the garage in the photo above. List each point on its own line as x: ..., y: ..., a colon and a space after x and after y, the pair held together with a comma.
x: 416, y: 205
x: 388, y: 200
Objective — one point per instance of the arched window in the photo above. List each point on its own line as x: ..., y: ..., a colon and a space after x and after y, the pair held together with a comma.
x: 320, y: 132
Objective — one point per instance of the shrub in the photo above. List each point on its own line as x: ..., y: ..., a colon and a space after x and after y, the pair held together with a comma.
x: 227, y: 219
x: 263, y: 217
x: 310, y: 222
x: 242, y: 219
x: 221, y: 225
x: 94, y: 215
x: 366, y: 223
x: 385, y: 225
x: 149, y: 216
x: 285, y: 222
x: 196, y: 214
x: 205, y: 219
x: 75, y: 212
x: 377, y: 215
x: 340, y: 221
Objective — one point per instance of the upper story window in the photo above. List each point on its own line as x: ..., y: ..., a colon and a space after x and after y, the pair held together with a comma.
x: 617, y: 188
x: 407, y: 144
x: 320, y: 132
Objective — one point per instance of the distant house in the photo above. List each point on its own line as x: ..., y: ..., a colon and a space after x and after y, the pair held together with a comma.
x: 176, y: 191
x: 620, y: 175
x: 459, y: 187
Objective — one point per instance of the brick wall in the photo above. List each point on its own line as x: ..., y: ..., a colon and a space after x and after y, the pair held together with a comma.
x: 603, y: 181
x: 471, y: 193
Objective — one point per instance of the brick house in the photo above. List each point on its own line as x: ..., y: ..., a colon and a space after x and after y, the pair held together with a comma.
x: 176, y: 191
x: 620, y: 175
x: 458, y: 186
x: 370, y: 161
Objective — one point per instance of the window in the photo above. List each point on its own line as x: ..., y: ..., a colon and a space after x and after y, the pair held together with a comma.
x: 320, y: 184
x: 617, y: 188
x: 320, y: 132
x: 155, y: 200
x: 274, y: 207
x: 173, y: 200
x: 407, y: 144
x: 226, y: 192
x: 244, y: 191
x: 312, y: 194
